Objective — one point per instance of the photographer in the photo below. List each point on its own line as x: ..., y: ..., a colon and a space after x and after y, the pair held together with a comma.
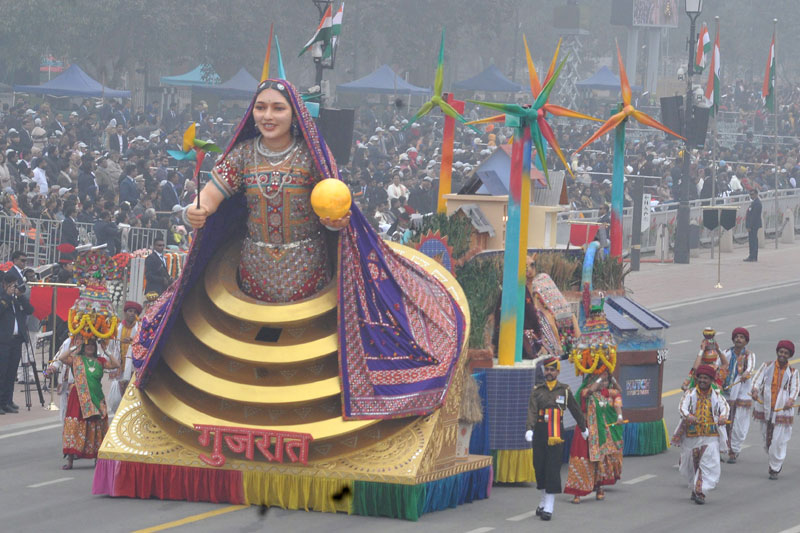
x: 14, y: 308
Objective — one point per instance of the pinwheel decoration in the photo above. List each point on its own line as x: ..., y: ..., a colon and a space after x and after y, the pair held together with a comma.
x: 437, y: 100
x: 618, y: 121
x: 194, y: 149
x: 531, y: 127
x: 534, y: 117
x: 451, y: 115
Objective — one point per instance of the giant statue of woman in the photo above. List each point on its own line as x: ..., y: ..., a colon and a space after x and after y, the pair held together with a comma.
x: 400, y: 332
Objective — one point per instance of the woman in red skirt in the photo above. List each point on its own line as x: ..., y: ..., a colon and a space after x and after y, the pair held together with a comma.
x: 86, y: 419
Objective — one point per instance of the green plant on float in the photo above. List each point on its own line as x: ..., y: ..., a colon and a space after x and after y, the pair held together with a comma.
x: 480, y: 279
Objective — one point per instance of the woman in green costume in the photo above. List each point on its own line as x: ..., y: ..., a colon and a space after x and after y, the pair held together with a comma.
x: 597, y: 461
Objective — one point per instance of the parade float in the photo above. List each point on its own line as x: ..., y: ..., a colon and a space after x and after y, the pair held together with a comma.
x: 330, y: 403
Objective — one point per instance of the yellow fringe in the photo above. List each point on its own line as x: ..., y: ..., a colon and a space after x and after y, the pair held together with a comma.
x: 296, y: 492
x: 552, y: 441
x: 515, y: 466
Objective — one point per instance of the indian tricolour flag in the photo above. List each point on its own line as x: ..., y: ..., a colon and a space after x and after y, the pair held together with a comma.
x: 703, y: 50
x: 336, y: 30
x: 712, y: 89
x: 768, y: 89
x: 323, y: 33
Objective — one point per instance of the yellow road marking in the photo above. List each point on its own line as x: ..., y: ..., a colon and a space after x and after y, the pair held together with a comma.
x: 193, y: 518
x: 673, y: 392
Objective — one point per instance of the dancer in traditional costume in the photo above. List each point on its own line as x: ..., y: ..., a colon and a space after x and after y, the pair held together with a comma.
x: 703, y: 411
x: 545, y: 427
x: 400, y: 332
x: 92, y: 326
x: 597, y: 461
x: 711, y: 355
x: 775, y: 389
x: 737, y: 387
x: 126, y: 331
x: 86, y: 417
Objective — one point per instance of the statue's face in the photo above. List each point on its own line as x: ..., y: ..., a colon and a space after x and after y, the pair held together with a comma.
x: 273, y: 117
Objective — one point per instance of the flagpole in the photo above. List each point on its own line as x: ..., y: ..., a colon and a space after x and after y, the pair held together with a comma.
x: 714, y: 164
x: 775, y: 106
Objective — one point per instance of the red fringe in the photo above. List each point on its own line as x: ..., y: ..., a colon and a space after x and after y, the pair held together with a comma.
x: 167, y: 482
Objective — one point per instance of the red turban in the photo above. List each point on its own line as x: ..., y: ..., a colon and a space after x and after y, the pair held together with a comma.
x: 133, y: 305
x: 741, y: 330
x: 706, y: 370
x: 789, y: 345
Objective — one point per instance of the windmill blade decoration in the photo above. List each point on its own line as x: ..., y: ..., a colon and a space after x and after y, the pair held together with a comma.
x: 437, y: 100
x: 618, y: 122
x: 534, y: 116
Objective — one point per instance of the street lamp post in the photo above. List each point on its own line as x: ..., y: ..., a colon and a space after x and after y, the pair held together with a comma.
x: 693, y: 9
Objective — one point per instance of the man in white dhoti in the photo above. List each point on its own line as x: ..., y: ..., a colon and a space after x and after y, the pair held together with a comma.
x: 775, y: 389
x: 703, y: 411
x: 737, y: 387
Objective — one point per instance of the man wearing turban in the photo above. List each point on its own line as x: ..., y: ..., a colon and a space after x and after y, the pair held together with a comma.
x: 775, y: 389
x: 737, y: 387
x: 703, y: 412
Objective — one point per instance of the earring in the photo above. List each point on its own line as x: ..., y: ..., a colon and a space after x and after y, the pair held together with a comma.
x: 295, y: 129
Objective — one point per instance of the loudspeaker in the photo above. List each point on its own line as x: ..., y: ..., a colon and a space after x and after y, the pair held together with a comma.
x: 728, y: 218
x: 336, y: 127
x: 672, y: 113
x: 622, y: 13
x: 698, y: 127
x: 714, y: 217
x: 710, y: 219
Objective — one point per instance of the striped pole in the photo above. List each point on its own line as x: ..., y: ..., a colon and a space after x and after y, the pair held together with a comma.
x: 446, y: 170
x: 617, y: 191
x: 525, y: 201
x: 507, y: 349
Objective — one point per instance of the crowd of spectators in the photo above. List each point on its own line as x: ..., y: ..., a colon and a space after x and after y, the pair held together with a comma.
x: 105, y: 164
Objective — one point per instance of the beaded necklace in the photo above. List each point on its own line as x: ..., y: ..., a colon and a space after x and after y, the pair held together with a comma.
x: 276, y: 178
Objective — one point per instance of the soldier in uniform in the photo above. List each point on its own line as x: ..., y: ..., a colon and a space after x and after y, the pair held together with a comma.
x: 545, y: 428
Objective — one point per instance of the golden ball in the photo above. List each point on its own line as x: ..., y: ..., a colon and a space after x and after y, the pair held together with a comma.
x: 331, y: 198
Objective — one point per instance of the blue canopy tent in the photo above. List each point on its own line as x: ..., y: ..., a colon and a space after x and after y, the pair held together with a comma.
x: 72, y: 82
x: 604, y: 80
x: 241, y: 86
x: 197, y: 77
x: 490, y: 80
x: 382, y: 81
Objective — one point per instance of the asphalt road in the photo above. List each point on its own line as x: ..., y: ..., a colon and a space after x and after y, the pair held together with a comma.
x: 36, y: 495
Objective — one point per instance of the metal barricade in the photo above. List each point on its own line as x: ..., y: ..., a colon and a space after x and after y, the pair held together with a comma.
x: 663, y: 218
x: 38, y: 238
x: 134, y: 238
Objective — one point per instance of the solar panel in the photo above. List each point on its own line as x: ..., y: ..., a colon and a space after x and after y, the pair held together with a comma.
x: 619, y: 321
x: 635, y: 312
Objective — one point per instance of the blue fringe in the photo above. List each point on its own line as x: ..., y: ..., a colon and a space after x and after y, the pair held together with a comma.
x: 456, y: 490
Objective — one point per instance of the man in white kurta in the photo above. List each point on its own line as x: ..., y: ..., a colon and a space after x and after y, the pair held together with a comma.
x: 775, y: 389
x: 703, y: 410
x: 737, y: 387
x: 127, y: 331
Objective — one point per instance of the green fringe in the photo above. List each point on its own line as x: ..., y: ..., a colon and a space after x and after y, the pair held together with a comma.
x: 386, y: 499
x: 645, y: 438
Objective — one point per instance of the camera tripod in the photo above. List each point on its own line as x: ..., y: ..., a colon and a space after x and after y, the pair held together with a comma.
x: 28, y: 365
